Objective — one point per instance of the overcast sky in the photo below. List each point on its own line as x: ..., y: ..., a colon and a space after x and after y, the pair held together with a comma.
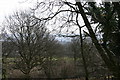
x: 9, y: 6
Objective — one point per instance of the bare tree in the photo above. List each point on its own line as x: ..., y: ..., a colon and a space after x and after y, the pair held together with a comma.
x: 78, y: 8
x: 28, y: 35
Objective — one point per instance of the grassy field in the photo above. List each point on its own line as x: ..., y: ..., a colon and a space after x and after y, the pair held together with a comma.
x: 63, y: 67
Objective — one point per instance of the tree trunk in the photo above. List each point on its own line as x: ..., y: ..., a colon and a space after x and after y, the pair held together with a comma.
x: 111, y: 66
x: 83, y: 56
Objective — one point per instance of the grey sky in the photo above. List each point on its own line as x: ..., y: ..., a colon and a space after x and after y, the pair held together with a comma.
x: 9, y: 6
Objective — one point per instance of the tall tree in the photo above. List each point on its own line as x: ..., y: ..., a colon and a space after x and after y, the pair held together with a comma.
x: 104, y: 17
x: 28, y: 35
x: 109, y: 26
x: 106, y: 54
